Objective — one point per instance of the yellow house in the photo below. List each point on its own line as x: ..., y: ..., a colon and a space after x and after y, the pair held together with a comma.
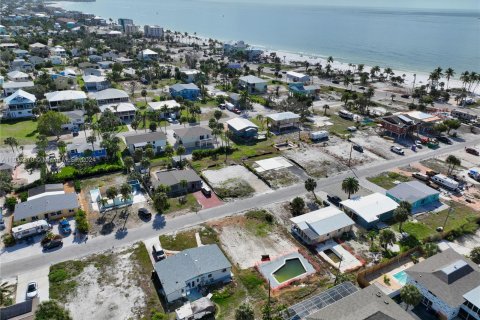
x: 48, y: 206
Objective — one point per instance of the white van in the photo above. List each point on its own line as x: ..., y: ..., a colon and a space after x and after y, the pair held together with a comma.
x: 30, y: 229
x: 206, y: 190
x: 318, y: 135
x: 445, y: 181
x: 346, y: 114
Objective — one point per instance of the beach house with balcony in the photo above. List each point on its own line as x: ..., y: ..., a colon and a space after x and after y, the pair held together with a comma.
x: 193, y: 137
x: 60, y: 99
x: 187, y: 91
x: 19, y: 105
x: 252, y: 84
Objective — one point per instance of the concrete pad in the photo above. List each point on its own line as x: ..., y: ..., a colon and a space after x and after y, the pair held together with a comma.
x: 349, y: 262
x: 197, y: 238
x: 207, y: 203
x: 149, y: 243
x: 40, y: 276
x: 276, y: 163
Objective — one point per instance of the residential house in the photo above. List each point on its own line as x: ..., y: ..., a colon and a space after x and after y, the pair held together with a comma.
x: 50, y: 204
x: 424, y: 121
x: 67, y: 98
x: 125, y: 111
x: 152, y: 31
x: 20, y: 53
x: 105, y: 64
x: 371, y: 210
x: 39, y: 49
x: 186, y: 273
x: 109, y: 96
x: 233, y: 47
x: 123, y: 60
x: 18, y: 76
x: 36, y: 60
x: 369, y: 303
x: 56, y: 60
x: 398, y: 125
x: 464, y: 115
x: 193, y: 137
x: 147, y: 55
x: 242, y: 128
x: 76, y: 119
x: 449, y: 284
x: 19, y: 105
x: 252, y: 84
x: 283, y: 121
x: 92, y: 72
x: 58, y: 51
x: 321, y: 225
x: 173, y: 179
x: 298, y: 88
x: 12, y: 86
x: 417, y: 194
x: 158, y: 140
x: 3, y: 30
x: 172, y: 108
x: 95, y: 83
x: 94, y: 58
x: 21, y: 65
x: 293, y: 76
x: 187, y: 91
x: 190, y: 75
x: 78, y: 149
x: 46, y: 189
x: 111, y: 55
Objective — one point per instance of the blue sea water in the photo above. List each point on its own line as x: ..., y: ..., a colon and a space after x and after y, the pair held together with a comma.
x: 406, y: 35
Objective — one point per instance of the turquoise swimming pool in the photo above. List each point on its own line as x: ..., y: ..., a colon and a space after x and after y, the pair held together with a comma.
x: 401, y: 277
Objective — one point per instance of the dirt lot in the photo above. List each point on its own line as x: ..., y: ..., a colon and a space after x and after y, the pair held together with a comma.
x: 246, y: 240
x: 341, y: 152
x: 278, y: 177
x: 217, y: 178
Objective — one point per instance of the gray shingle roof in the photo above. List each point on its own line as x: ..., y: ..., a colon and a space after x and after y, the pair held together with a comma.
x: 145, y: 137
x: 183, y: 86
x: 46, y: 204
x: 110, y: 93
x: 192, y: 131
x: 174, y: 271
x: 173, y: 177
x: 252, y: 79
x: 411, y: 191
x: 435, y: 274
x: 369, y: 303
x: 45, y: 188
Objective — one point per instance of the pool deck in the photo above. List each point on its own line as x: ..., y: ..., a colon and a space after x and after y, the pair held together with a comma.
x: 395, y: 285
x: 349, y: 262
x: 268, y: 268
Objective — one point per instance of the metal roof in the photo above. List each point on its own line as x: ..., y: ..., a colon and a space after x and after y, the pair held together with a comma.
x: 184, y: 86
x: 65, y: 95
x: 283, y: 116
x: 110, y: 93
x: 20, y: 93
x: 370, y: 207
x: 411, y: 191
x: 323, y: 221
x: 18, y: 85
x: 46, y: 204
x: 194, y: 131
x: 473, y: 296
x: 241, y: 123
x: 252, y: 79
x: 145, y: 137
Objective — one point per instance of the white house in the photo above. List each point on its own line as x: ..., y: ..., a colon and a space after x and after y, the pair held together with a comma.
x: 58, y: 51
x: 75, y: 119
x: 321, y: 225
x: 172, y: 106
x: 19, y: 105
x: 95, y: 83
x: 157, y: 139
x: 293, y: 76
x: 18, y: 76
x: 190, y: 74
x: 12, y: 86
x: 109, y: 96
x: 252, y: 84
x: 147, y: 55
x: 125, y: 111
x: 58, y: 99
x: 449, y: 284
x: 193, y: 137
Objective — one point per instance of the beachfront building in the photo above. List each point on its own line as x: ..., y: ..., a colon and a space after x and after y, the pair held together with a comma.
x: 166, y: 109
x: 187, y: 91
x: 417, y: 194
x: 242, y: 128
x: 67, y: 98
x: 180, y: 182
x: 157, y: 139
x: 123, y: 22
x: 293, y: 76
x: 371, y: 210
x: 252, y: 84
x: 398, y: 125
x: 125, y: 111
x: 283, y: 121
x: 152, y: 31
x: 80, y: 148
x: 147, y: 55
x: 193, y: 137
x: 19, y: 105
x: 321, y: 225
x: 449, y: 284
x: 185, y: 274
x: 233, y: 48
x: 11, y: 87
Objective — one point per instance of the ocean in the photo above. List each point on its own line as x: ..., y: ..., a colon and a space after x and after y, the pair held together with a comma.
x: 371, y: 32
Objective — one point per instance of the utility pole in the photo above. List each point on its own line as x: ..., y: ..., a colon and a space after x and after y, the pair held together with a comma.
x: 350, y: 157
x: 450, y: 210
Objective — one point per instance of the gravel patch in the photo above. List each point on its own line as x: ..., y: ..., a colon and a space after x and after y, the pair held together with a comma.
x: 341, y: 152
x: 316, y: 161
x: 217, y: 178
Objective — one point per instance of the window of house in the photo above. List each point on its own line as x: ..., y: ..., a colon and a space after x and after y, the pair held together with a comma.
x: 224, y: 270
x: 210, y: 275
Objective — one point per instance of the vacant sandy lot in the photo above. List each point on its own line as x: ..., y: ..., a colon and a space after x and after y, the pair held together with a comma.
x: 341, y: 152
x: 219, y: 177
x: 246, y: 248
x: 109, y: 293
x: 316, y: 161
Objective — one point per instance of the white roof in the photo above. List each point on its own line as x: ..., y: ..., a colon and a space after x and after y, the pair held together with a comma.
x: 159, y: 104
x: 65, y: 95
x: 148, y: 52
x: 296, y: 74
x: 241, y: 123
x: 370, y: 207
x: 92, y: 78
x: 190, y: 72
x: 252, y: 79
x: 20, y: 93
x: 323, y: 221
x: 19, y: 84
x: 17, y: 74
x: 473, y: 296
x: 283, y: 116
x: 121, y: 107
x: 110, y: 93
x: 184, y: 312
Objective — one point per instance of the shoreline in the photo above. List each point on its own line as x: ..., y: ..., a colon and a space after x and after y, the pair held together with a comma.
x: 313, y: 58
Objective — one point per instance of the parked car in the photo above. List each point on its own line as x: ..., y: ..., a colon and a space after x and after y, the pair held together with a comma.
x: 144, y: 213
x: 2, y: 223
x: 420, y: 176
x: 472, y: 151
x: 207, y: 192
x: 170, y: 120
x: 221, y: 106
x: 64, y: 226
x: 397, y: 150
x: 431, y: 173
x: 418, y: 144
x: 237, y: 111
x: 325, y: 203
x: 158, y: 253
x: 32, y: 290
x: 336, y: 81
x: 358, y: 148
x: 53, y: 244
x: 334, y: 199
x: 444, y: 139
x: 405, y: 96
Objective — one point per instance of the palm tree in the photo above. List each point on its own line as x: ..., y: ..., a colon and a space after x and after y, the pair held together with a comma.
x: 400, y: 215
x: 126, y: 192
x: 452, y: 162
x: 62, y: 149
x: 12, y: 142
x: 144, y: 95
x: 449, y: 73
x: 430, y: 249
x: 112, y: 193
x: 128, y: 161
x: 386, y: 238
x: 5, y: 291
x: 180, y: 151
x: 260, y: 119
x: 184, y: 185
x: 410, y: 295
x: 91, y: 139
x: 164, y: 110
x: 325, y: 108
x: 244, y: 312
x: 350, y: 186
x: 310, y: 185
x: 330, y: 59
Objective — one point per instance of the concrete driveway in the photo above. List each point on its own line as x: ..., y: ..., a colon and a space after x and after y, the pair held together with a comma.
x: 40, y: 276
x: 149, y: 243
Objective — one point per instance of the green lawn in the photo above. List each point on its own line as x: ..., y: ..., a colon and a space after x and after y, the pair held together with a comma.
x: 176, y: 205
x: 340, y: 125
x: 25, y: 131
x: 259, y: 222
x: 387, y: 180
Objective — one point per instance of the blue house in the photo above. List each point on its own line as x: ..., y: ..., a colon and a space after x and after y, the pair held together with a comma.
x: 301, y: 89
x: 414, y: 192
x: 83, y: 149
x: 187, y: 91
x: 242, y: 128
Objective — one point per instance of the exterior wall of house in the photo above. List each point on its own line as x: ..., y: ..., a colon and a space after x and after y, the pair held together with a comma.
x: 195, y: 142
x: 97, y: 86
x: 244, y: 133
x: 444, y: 311
x: 52, y: 215
x: 253, y: 88
x: 421, y: 202
x: 178, y: 190
x: 101, y: 102
x: 283, y: 124
x: 321, y: 238
x: 97, y: 154
x: 157, y: 146
x: 188, y: 94
x: 54, y: 105
x: 19, y: 110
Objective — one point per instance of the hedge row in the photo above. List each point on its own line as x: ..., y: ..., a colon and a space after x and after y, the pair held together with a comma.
x: 71, y: 173
x: 204, y: 153
x: 81, y: 221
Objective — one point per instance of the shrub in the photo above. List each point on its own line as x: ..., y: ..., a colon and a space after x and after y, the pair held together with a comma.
x: 77, y: 185
x: 10, y: 203
x: 23, y: 196
x: 204, y: 153
x: 8, y: 240
x: 81, y: 221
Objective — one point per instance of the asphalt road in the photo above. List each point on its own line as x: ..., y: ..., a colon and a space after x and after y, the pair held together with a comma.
x: 13, y: 263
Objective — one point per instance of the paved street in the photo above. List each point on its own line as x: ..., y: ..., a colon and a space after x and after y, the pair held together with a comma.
x: 17, y: 262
